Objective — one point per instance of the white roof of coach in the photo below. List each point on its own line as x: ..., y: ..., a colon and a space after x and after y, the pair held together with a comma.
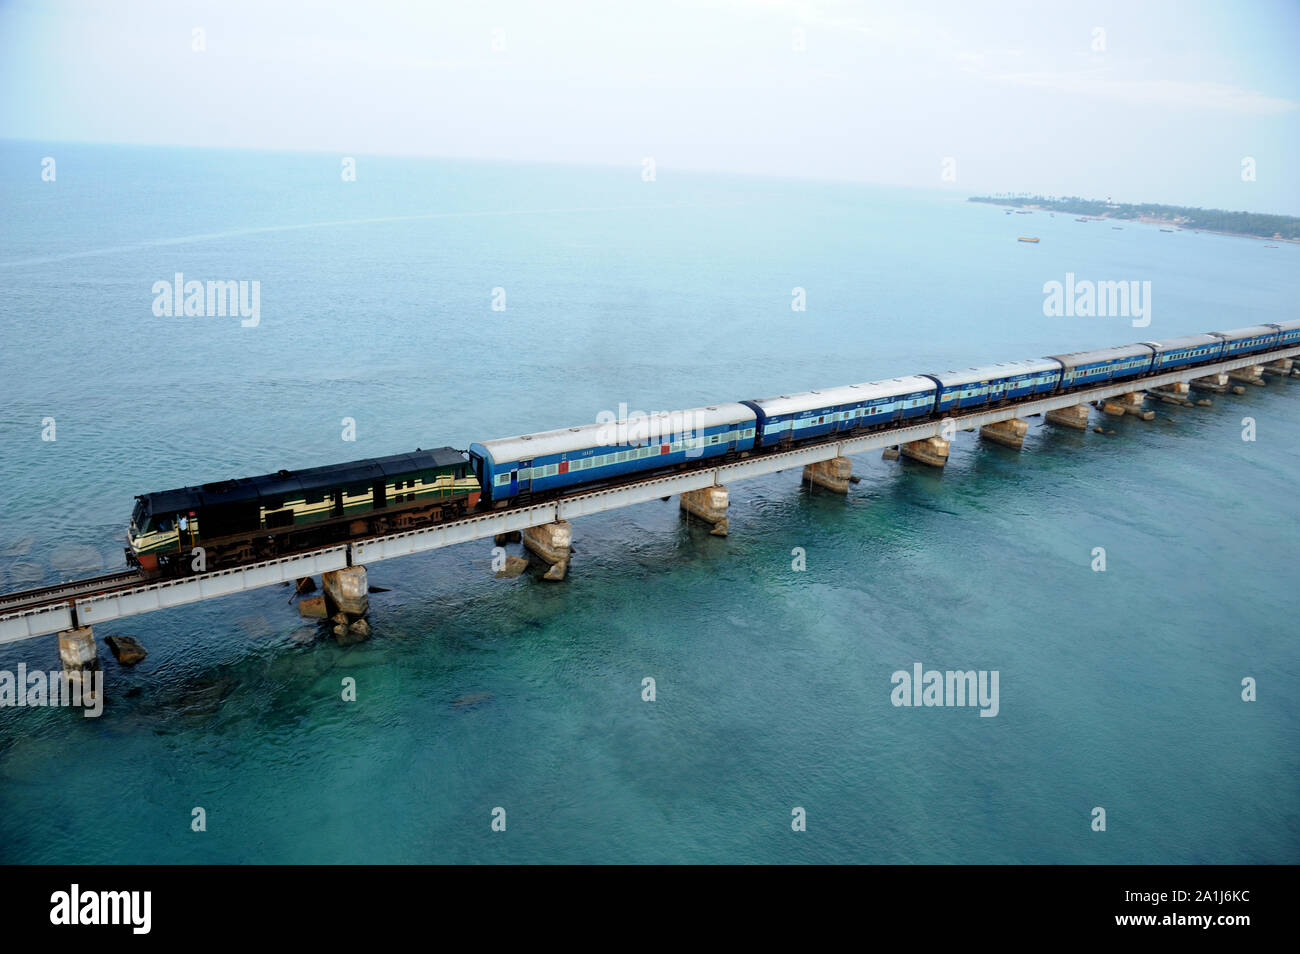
x: 1076, y: 358
x: 990, y: 371
x: 1250, y: 332
x: 1186, y: 341
x: 847, y: 394
x: 1288, y: 325
x: 634, y: 431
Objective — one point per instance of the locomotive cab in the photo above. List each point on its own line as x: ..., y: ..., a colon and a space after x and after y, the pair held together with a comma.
x: 150, y: 536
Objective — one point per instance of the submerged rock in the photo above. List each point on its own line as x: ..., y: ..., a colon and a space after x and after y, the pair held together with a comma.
x: 514, y: 566
x: 313, y: 607
x: 304, y: 635
x: 20, y: 547
x: 126, y: 649
x: 348, y: 634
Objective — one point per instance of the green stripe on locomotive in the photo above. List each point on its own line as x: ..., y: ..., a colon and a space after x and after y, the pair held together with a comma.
x: 358, y: 499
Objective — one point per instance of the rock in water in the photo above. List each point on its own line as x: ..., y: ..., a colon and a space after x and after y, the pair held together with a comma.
x: 313, y: 607
x: 347, y: 634
x: 126, y: 649
x: 514, y: 566
x: 304, y: 635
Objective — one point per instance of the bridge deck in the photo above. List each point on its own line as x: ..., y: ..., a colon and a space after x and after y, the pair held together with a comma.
x: 118, y: 600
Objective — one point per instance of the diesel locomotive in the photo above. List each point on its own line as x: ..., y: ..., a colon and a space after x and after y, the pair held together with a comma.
x: 255, y: 518
x: 241, y: 521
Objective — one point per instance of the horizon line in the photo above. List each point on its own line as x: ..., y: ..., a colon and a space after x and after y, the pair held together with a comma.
x: 937, y: 190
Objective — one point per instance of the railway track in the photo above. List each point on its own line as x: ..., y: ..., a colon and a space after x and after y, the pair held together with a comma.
x: 61, y: 592
x: 68, y: 592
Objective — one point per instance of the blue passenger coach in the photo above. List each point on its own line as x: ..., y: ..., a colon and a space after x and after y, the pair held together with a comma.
x: 1081, y: 368
x: 554, y: 460
x: 1010, y: 380
x: 1248, y: 340
x: 793, y: 418
x: 1189, y: 349
x: 1288, y: 333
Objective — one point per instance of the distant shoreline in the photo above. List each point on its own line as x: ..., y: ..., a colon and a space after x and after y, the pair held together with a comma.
x: 1284, y: 228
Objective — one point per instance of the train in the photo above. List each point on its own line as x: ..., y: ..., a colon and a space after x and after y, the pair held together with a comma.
x: 257, y: 518
x: 245, y: 520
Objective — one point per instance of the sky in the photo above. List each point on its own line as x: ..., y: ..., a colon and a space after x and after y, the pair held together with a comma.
x: 1142, y: 102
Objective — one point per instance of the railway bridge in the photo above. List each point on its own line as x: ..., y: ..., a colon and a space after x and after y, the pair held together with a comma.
x: 73, y: 608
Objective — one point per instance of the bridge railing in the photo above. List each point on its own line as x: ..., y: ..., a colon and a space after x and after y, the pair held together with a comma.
x: 147, y: 597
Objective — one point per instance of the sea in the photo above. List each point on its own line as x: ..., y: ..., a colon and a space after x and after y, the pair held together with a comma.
x: 1133, y: 591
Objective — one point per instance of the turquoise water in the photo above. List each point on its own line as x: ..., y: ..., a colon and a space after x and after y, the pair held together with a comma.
x: 1118, y: 689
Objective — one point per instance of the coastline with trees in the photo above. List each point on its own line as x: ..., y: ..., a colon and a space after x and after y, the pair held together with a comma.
x: 1253, y: 224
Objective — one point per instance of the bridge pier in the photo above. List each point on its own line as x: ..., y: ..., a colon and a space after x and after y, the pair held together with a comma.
x: 932, y: 451
x: 710, y: 505
x: 1075, y: 416
x: 1177, y: 393
x: 1010, y: 433
x: 346, y: 593
x: 80, y: 659
x: 1130, y: 403
x: 553, y: 542
x: 1254, y: 374
x: 1215, y: 383
x: 347, y: 590
x: 830, y: 474
x: 1281, y: 367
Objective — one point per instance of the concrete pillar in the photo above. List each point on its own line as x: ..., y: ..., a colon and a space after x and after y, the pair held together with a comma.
x: 1216, y: 383
x: 1007, y: 433
x: 932, y: 451
x: 1177, y: 393
x: 890, y: 453
x: 347, y: 590
x: 80, y: 659
x: 831, y: 474
x: 1075, y: 416
x: 710, y: 505
x: 1281, y: 367
x: 1131, y: 403
x: 1254, y: 374
x: 553, y: 542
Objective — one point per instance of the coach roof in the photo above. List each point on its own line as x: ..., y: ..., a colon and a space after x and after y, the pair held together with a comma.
x: 842, y: 396
x: 1076, y: 358
x: 635, y: 431
x: 993, y: 372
